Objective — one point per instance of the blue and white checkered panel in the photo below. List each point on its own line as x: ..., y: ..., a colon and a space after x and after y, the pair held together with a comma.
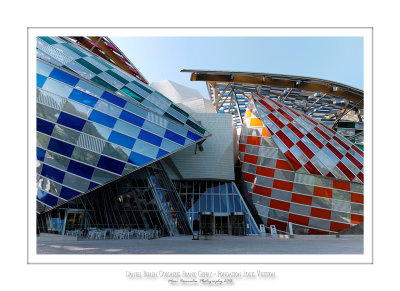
x: 87, y: 136
x: 64, y: 53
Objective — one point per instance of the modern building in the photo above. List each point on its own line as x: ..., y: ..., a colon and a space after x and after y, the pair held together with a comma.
x: 114, y: 152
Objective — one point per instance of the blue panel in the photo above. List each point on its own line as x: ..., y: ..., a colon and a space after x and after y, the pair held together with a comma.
x: 40, y: 80
x: 52, y: 173
x: 80, y: 169
x: 149, y: 137
x: 83, y: 98
x: 40, y: 153
x: 121, y: 139
x: 44, y: 126
x: 46, y: 198
x: 131, y: 118
x: 174, y: 137
x: 161, y: 153
x: 113, y: 99
x: 111, y: 165
x: 138, y: 159
x: 193, y: 136
x: 64, y: 77
x: 61, y: 147
x: 92, y: 185
x: 68, y: 193
x: 102, y: 118
x: 71, y: 121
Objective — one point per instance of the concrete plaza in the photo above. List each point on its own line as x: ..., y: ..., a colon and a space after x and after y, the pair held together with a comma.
x: 218, y: 244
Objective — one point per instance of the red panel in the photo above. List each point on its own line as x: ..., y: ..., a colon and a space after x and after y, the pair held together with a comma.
x: 341, y: 142
x: 358, y: 150
x: 276, y: 120
x: 301, y: 199
x: 305, y: 149
x: 262, y: 191
x: 283, y: 185
x: 354, y: 161
x: 266, y: 105
x: 287, y: 116
x: 242, y: 148
x: 254, y: 140
x: 346, y: 171
x: 250, y: 159
x: 311, y: 168
x: 330, y: 175
x: 337, y: 226
x: 356, y: 219
x: 361, y: 177
x: 299, y: 219
x: 248, y: 177
x: 322, y: 192
x: 320, y: 213
x: 267, y: 172
x: 317, y: 231
x: 357, y: 198
x: 315, y: 140
x: 281, y: 205
x: 327, y: 137
x: 342, y: 185
x: 292, y: 160
x: 295, y: 130
x: 283, y: 165
x: 285, y: 139
x: 280, y: 225
x: 334, y: 150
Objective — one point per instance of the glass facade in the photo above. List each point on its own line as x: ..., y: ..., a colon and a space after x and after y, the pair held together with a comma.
x: 296, y: 170
x: 221, y: 198
x: 92, y: 126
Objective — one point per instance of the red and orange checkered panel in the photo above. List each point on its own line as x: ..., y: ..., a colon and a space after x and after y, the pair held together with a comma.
x: 283, y: 164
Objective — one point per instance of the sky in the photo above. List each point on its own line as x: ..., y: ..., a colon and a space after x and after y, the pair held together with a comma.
x: 338, y: 59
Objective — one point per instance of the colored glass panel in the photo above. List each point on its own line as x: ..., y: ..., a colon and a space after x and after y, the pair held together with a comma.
x: 250, y: 159
x: 80, y: 169
x: 64, y: 77
x: 302, y: 199
x: 292, y: 160
x: 138, y: 159
x: 281, y: 205
x: 320, y: 213
x: 44, y: 126
x: 83, y: 98
x: 60, y: 147
x: 68, y: 193
x: 102, y: 118
x: 150, y: 138
x: 132, y: 94
x: 283, y: 165
x: 40, y: 80
x: 262, y: 191
x: 322, y: 192
x: 121, y: 139
x: 71, y: 121
x: 305, y: 149
x: 283, y: 185
x: 111, y: 165
x: 337, y: 226
x: 266, y: 172
x: 113, y: 99
x: 174, y: 137
x: 52, y: 173
x: 298, y: 219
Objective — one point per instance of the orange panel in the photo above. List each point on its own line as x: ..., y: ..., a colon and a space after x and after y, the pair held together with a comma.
x: 254, y: 140
x: 302, y: 199
x: 337, y: 226
x: 342, y: 185
x: 265, y: 133
x: 262, y: 191
x: 283, y: 165
x: 256, y: 122
x: 280, y: 225
x: 358, y: 198
x: 242, y: 148
x: 299, y: 219
x: 320, y: 213
x: 250, y: 159
x: 356, y: 219
x: 248, y: 177
x: 283, y: 185
x: 248, y: 113
x: 267, y: 172
x: 281, y: 205
x: 322, y: 192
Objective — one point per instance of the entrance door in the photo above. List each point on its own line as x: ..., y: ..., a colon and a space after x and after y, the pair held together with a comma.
x: 221, y: 224
x: 238, y: 224
x: 74, y: 221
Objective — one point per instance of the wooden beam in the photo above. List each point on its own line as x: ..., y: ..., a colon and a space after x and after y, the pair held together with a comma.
x: 255, y: 80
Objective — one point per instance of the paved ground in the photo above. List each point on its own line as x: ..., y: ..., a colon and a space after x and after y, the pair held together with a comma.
x: 346, y: 244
